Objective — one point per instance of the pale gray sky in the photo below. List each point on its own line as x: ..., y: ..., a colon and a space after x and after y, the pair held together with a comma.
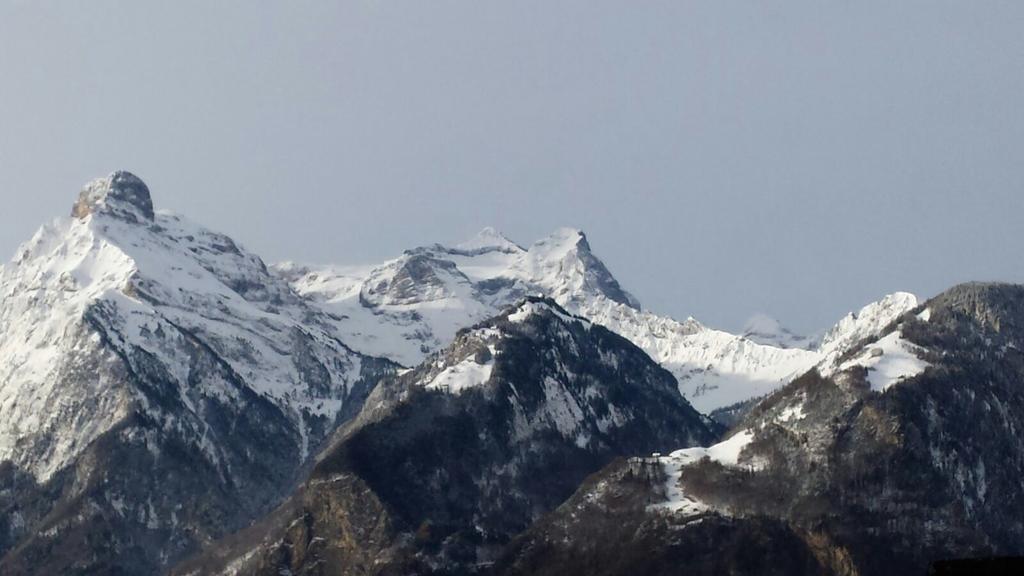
x: 790, y: 157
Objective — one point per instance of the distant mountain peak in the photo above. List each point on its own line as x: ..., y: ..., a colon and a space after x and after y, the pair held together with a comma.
x: 762, y: 323
x: 566, y: 238
x: 764, y: 329
x: 868, y: 320
x: 566, y: 262
x: 121, y: 194
x: 487, y: 239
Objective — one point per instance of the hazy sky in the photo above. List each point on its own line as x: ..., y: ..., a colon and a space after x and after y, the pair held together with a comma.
x: 724, y: 157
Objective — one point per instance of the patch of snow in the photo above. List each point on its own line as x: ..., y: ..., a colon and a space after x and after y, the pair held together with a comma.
x: 462, y: 376
x: 792, y: 413
x: 889, y: 361
x: 117, y: 503
x: 238, y: 565
x: 726, y: 453
x: 676, y: 500
x: 561, y: 408
x: 532, y: 308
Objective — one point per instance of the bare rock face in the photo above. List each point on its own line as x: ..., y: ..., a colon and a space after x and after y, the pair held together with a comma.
x: 122, y: 194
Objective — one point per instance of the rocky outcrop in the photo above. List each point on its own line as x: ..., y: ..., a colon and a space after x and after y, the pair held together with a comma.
x: 121, y: 194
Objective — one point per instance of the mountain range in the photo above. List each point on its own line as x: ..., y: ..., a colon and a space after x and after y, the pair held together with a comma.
x: 170, y: 403
x: 413, y: 305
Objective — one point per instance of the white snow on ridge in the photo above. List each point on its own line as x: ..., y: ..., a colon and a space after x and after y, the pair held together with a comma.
x: 867, y: 323
x: 462, y: 376
x: 793, y: 413
x: 531, y: 308
x: 889, y: 361
x: 726, y: 453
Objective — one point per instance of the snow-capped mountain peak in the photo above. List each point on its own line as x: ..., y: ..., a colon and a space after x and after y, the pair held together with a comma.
x: 764, y: 329
x: 869, y: 321
x: 121, y: 282
x: 489, y: 239
x: 564, y: 264
x: 143, y: 356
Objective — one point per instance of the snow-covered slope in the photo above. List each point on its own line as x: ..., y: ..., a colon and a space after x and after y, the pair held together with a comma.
x: 408, y: 307
x: 139, y: 328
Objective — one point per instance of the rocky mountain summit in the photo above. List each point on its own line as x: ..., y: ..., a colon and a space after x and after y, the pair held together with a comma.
x: 449, y: 461
x: 158, y: 387
x: 122, y: 194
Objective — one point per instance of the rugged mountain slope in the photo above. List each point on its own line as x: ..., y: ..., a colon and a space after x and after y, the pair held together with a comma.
x: 158, y: 387
x: 906, y: 451
x: 413, y: 305
x: 608, y: 528
x: 447, y: 462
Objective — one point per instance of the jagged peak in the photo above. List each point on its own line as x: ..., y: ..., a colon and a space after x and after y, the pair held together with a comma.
x: 564, y: 263
x: 564, y: 239
x: 869, y: 321
x: 121, y: 194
